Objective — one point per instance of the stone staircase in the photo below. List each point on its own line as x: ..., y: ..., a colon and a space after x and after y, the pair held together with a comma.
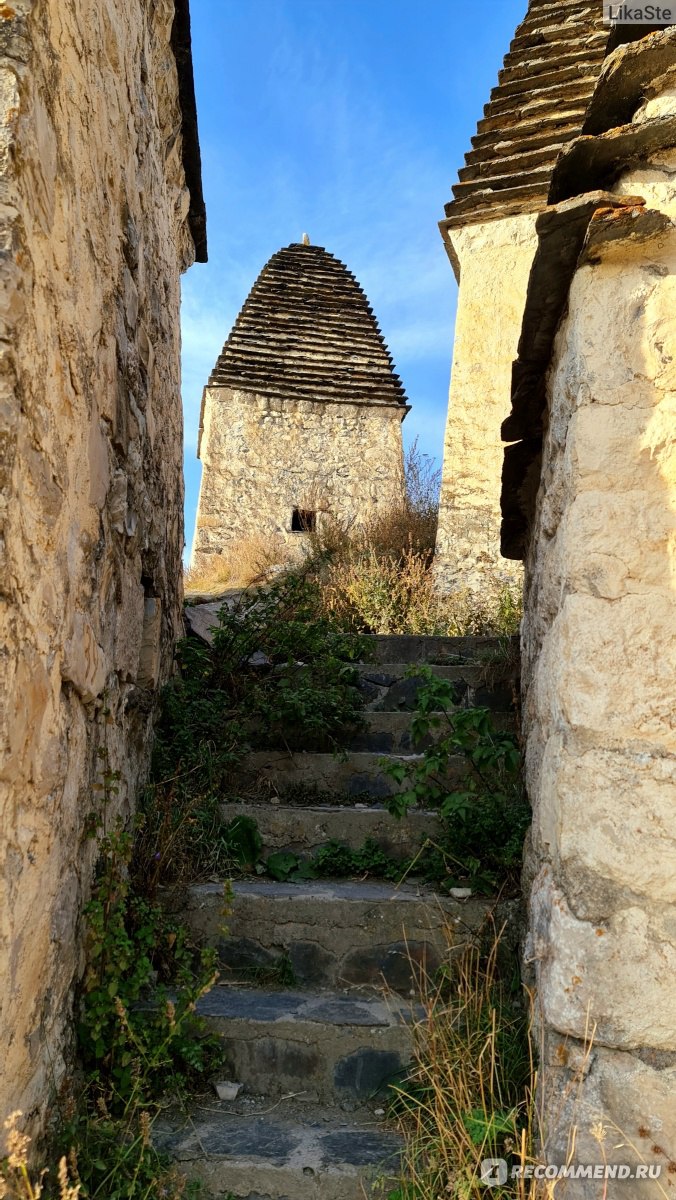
x: 319, y: 989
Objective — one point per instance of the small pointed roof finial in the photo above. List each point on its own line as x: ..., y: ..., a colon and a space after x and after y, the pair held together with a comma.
x: 306, y: 240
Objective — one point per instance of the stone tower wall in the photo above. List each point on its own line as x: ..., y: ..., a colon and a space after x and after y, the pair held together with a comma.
x: 94, y: 234
x: 493, y: 261
x: 263, y: 456
x: 599, y: 651
x: 536, y: 108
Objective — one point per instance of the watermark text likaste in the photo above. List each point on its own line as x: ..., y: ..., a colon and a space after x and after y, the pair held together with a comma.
x: 639, y: 14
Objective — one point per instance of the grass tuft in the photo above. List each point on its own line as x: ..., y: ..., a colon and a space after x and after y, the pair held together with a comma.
x: 470, y: 1093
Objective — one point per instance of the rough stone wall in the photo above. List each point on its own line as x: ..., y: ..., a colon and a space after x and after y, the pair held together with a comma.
x: 263, y: 456
x: 92, y: 219
x: 492, y: 263
x: 599, y: 659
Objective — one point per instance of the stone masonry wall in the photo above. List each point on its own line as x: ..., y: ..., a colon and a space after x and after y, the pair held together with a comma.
x: 92, y: 224
x: 599, y: 659
x: 263, y: 456
x: 492, y: 262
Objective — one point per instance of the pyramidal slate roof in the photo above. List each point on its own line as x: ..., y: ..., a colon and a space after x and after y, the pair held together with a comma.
x: 538, y: 106
x: 306, y: 331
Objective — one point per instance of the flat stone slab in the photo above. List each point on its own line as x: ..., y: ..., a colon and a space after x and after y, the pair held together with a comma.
x: 387, y: 733
x: 200, y: 619
x: 393, y: 688
x: 334, y: 934
x: 268, y: 1157
x: 324, y: 1047
x: 357, y: 773
x: 326, y: 1008
x: 390, y: 732
x: 405, y: 648
x: 303, y: 829
x: 386, y: 673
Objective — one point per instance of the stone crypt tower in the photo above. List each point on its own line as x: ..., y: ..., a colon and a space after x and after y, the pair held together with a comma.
x: 302, y: 414
x: 490, y: 235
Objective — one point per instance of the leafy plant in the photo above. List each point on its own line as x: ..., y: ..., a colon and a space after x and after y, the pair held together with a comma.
x: 289, y: 666
x: 279, y: 673
x: 114, y: 1158
x: 138, y: 1037
x: 198, y: 736
x: 243, y: 841
x: 336, y: 859
x: 485, y: 814
x: 137, y: 1030
x: 285, y: 866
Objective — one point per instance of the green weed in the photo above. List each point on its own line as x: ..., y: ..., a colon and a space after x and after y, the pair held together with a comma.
x: 137, y: 1031
x: 279, y: 673
x: 485, y: 815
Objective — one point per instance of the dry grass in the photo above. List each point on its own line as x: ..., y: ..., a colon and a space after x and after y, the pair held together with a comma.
x: 217, y: 574
x: 475, y: 1092
x: 369, y: 591
x: 376, y: 576
x: 409, y: 527
x: 250, y: 561
x: 470, y: 1095
x: 17, y: 1181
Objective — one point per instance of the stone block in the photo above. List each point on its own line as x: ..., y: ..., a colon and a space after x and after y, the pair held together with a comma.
x: 250, y: 1156
x: 336, y: 933
x: 84, y: 663
x: 597, y: 970
x: 326, y: 1046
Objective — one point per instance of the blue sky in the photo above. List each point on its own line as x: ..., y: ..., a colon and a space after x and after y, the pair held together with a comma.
x: 348, y: 120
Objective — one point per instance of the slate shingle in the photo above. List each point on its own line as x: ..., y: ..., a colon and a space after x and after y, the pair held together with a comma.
x: 538, y: 106
x: 307, y: 331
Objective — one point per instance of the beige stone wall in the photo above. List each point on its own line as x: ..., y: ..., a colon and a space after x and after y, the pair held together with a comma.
x: 262, y: 457
x: 492, y: 263
x: 599, y: 650
x: 92, y: 221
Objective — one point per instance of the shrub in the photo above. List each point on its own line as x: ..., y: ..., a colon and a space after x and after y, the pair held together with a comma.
x: 377, y: 577
x: 305, y: 694
x: 138, y: 1038
x: 279, y: 673
x: 486, y: 815
x: 137, y: 1030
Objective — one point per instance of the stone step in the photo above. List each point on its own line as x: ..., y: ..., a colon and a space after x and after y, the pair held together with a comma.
x: 353, y: 775
x: 304, y: 828
x: 390, y: 732
x: 387, y: 733
x: 269, y: 1157
x: 332, y: 934
x: 321, y: 1047
x: 411, y: 648
x: 389, y: 687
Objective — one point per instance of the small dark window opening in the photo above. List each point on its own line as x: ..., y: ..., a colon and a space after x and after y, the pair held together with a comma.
x: 303, y: 520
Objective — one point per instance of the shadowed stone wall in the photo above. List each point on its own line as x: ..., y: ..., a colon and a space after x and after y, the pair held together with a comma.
x: 93, y: 214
